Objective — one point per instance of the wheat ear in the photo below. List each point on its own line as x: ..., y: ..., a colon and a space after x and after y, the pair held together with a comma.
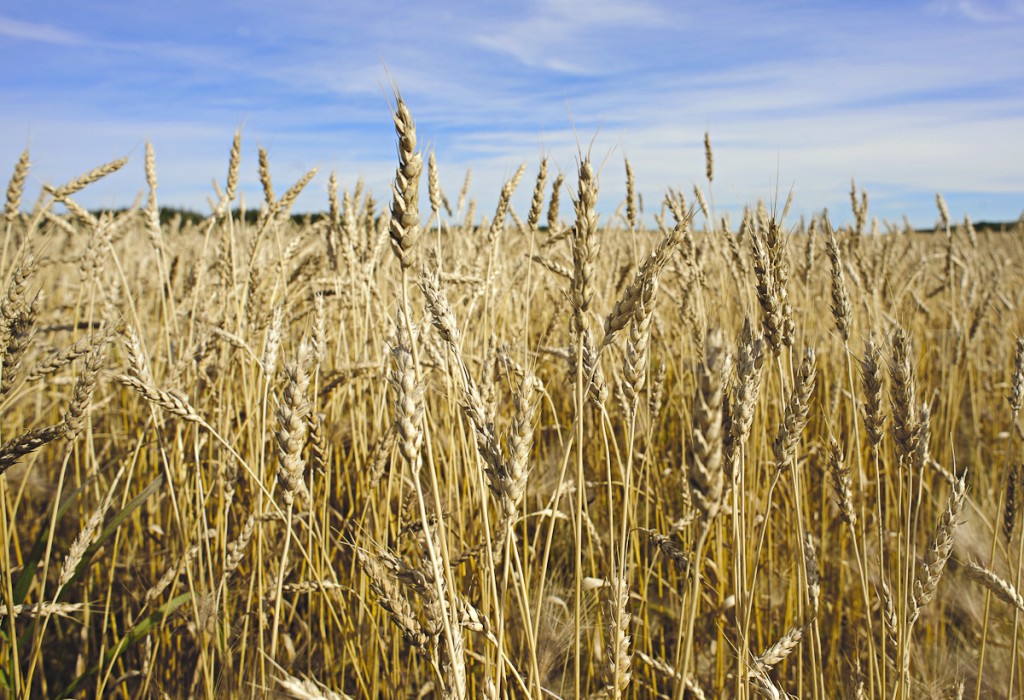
x: 16, y: 187
x: 705, y: 455
x: 404, y: 227
x: 939, y: 550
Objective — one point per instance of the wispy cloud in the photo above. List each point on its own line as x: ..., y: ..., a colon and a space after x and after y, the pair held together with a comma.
x: 984, y: 11
x: 564, y: 35
x: 38, y: 32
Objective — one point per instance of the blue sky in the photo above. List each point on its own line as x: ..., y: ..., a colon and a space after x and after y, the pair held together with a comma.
x: 908, y: 98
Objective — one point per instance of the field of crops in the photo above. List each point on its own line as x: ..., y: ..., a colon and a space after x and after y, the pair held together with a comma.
x: 397, y: 451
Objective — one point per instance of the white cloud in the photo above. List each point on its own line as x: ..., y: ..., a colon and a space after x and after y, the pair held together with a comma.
x: 982, y: 11
x: 567, y: 36
x: 43, y: 33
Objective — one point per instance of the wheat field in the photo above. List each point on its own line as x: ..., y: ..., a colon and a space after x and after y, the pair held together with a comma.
x: 397, y: 451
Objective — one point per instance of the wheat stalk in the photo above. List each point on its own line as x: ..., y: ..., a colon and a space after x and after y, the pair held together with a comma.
x: 739, y: 419
x: 939, y: 550
x: 404, y: 228
x: 16, y: 187
x: 903, y: 393
x: 1001, y: 588
x: 706, y: 475
x: 871, y: 382
x: 27, y: 443
x: 841, y: 309
x: 292, y: 411
x: 797, y: 412
x: 82, y: 181
x: 74, y: 419
x: 778, y: 652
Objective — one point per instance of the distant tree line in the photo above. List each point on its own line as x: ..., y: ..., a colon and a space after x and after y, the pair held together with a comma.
x: 190, y: 216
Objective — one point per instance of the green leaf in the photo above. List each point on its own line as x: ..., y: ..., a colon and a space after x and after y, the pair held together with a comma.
x: 142, y: 628
x: 111, y: 527
x: 28, y: 572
